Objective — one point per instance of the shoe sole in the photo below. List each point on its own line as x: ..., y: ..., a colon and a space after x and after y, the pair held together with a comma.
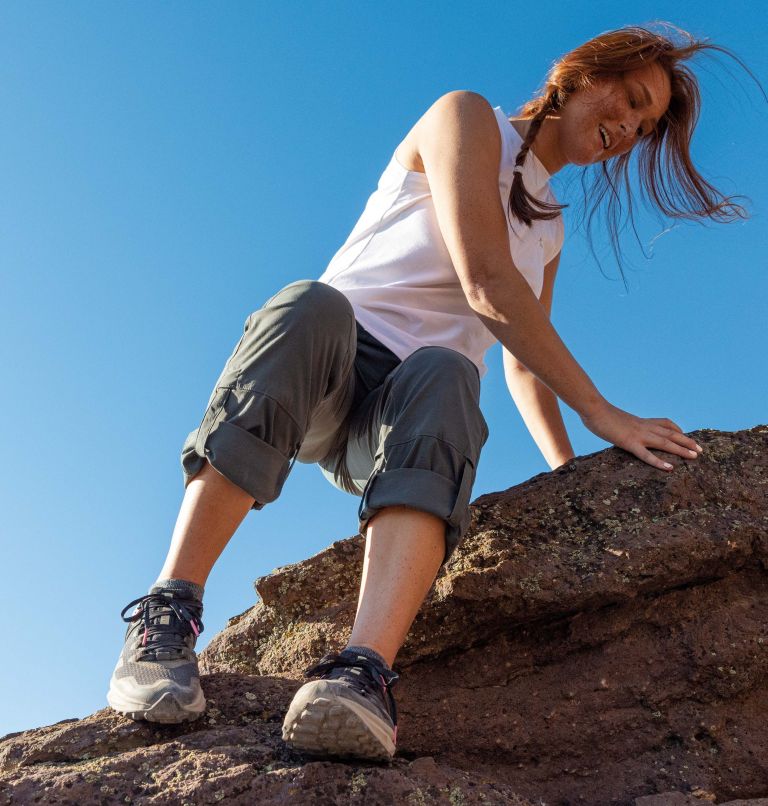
x: 167, y: 709
x: 329, y: 725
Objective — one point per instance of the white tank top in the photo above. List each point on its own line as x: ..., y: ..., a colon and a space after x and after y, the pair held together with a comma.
x: 396, y: 271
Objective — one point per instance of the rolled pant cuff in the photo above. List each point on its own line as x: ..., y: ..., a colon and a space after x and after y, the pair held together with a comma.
x: 247, y: 461
x: 424, y: 490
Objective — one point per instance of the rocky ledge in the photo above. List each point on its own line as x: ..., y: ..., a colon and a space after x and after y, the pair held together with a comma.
x: 598, y: 638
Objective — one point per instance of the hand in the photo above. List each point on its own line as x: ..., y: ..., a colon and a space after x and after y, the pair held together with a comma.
x: 637, y: 434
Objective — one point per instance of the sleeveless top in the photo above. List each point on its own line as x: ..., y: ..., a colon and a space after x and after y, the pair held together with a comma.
x: 397, y: 273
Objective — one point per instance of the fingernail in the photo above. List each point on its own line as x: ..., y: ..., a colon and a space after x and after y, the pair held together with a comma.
x: 699, y: 447
x: 667, y: 465
x: 693, y: 453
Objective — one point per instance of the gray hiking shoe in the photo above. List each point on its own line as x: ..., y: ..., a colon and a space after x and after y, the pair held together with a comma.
x: 157, y: 677
x: 348, y: 712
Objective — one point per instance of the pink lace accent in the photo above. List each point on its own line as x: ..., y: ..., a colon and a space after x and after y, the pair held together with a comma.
x: 144, y: 639
x: 194, y: 627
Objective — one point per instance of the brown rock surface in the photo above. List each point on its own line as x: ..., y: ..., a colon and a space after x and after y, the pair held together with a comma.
x: 599, y: 638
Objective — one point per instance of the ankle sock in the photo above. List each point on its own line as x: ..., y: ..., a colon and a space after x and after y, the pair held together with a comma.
x: 182, y: 586
x: 368, y: 653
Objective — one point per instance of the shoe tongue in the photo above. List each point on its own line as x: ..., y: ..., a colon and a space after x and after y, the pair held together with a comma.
x: 155, y: 645
x: 350, y: 653
x: 160, y: 613
x: 190, y: 602
x: 363, y: 661
x: 165, y: 593
x: 388, y: 674
x: 354, y: 656
x: 180, y: 592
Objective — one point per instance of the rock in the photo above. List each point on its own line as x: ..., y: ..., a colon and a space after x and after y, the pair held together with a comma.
x: 598, y: 638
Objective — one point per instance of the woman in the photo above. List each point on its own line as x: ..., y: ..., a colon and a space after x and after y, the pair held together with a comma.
x: 373, y: 371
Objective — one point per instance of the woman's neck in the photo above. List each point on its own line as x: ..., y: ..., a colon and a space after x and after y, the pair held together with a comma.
x: 545, y: 145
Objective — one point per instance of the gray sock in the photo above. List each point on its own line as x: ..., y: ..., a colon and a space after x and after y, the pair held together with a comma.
x: 182, y: 586
x: 368, y: 653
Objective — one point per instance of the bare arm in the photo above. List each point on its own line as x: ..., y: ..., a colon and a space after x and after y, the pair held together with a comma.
x: 537, y: 403
x: 459, y: 143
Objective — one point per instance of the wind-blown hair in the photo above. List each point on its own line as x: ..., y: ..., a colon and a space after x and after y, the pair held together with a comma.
x: 667, y: 175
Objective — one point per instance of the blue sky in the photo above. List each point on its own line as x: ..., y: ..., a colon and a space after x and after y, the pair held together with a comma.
x: 168, y: 167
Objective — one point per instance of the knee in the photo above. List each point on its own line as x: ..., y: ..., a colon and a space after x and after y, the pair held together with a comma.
x: 313, y: 300
x: 436, y: 390
x: 441, y: 368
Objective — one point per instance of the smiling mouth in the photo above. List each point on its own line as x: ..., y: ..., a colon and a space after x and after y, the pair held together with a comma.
x: 604, y: 136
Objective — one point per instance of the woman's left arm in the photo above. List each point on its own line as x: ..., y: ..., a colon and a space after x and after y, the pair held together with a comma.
x: 537, y: 403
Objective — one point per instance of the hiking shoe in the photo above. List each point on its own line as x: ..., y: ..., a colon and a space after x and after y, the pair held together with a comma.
x: 157, y: 677
x: 349, y: 711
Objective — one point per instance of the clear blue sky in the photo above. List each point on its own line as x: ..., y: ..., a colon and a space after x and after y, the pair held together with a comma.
x: 166, y: 167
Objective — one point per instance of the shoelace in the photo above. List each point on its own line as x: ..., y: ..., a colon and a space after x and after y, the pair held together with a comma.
x: 375, y: 677
x: 167, y: 637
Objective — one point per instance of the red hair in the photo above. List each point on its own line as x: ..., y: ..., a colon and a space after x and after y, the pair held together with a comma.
x: 667, y: 175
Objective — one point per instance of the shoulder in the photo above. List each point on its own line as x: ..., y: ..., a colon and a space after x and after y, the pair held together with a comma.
x: 464, y: 106
x: 460, y: 120
x: 464, y: 100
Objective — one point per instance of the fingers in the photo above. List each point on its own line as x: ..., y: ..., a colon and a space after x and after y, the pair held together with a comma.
x: 672, y: 446
x: 652, y: 459
x: 687, y: 446
x: 669, y: 440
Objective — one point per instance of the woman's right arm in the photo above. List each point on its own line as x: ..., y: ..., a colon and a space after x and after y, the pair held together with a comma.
x: 459, y: 143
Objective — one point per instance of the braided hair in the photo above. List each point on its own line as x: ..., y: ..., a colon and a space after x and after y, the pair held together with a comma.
x: 521, y: 203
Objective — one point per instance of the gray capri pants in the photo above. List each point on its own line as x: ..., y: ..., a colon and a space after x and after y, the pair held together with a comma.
x: 307, y: 382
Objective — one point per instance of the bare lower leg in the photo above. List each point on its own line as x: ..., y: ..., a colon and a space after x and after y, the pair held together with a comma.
x: 212, y: 509
x: 403, y: 552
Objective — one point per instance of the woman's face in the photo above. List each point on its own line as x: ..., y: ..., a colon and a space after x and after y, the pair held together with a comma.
x: 610, y: 117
